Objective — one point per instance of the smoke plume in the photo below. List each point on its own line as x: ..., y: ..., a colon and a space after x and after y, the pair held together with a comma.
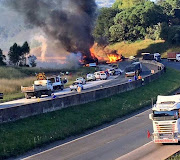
x: 68, y: 23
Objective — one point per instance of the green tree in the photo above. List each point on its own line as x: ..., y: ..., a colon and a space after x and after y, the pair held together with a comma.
x: 25, y: 49
x: 133, y: 22
x: 125, y: 4
x: 2, y: 58
x: 104, y: 22
x: 172, y: 9
x: 15, y: 54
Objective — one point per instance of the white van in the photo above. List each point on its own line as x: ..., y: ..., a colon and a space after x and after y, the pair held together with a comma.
x: 103, y: 76
x: 100, y: 75
x: 97, y: 75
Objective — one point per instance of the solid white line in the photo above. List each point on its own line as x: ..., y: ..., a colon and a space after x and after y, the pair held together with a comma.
x: 133, y: 151
x: 85, y: 136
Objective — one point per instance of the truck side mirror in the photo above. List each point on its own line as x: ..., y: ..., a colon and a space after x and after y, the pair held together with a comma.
x: 151, y: 116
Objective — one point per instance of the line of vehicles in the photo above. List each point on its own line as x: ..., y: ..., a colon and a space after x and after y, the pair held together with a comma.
x: 100, y: 75
x: 171, y: 56
x: 47, y: 85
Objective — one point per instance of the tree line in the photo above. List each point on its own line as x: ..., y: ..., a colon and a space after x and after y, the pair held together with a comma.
x: 17, y: 56
x: 131, y: 20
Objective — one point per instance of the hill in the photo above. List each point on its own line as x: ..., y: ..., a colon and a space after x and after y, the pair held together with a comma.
x: 136, y: 48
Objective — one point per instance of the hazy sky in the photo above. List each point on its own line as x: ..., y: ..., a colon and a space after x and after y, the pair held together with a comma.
x: 12, y: 28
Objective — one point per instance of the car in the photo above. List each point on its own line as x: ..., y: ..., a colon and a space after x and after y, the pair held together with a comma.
x: 118, y: 71
x: 97, y: 75
x: 91, y: 77
x: 82, y: 79
x: 75, y: 85
x: 111, y: 71
x: 103, y: 76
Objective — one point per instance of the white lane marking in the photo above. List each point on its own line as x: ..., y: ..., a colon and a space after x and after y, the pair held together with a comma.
x: 84, y: 136
x: 133, y: 151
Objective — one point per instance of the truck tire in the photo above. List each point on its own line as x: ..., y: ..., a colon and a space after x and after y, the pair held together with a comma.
x: 27, y: 96
x: 38, y: 95
x: 61, y: 87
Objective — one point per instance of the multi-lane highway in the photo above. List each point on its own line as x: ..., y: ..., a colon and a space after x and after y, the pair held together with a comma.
x: 123, y: 139
x: 113, y: 80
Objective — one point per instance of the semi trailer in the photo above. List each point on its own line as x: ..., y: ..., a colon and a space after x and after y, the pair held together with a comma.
x: 173, y: 56
x: 166, y: 119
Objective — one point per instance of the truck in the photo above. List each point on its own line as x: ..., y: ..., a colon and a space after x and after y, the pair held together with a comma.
x: 166, y: 119
x: 39, y: 88
x: 173, y: 56
x: 57, y: 82
x: 43, y: 86
x: 134, y: 69
x: 155, y: 56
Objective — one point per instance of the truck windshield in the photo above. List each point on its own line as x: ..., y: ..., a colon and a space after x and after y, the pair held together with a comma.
x: 130, y: 69
x: 166, y: 115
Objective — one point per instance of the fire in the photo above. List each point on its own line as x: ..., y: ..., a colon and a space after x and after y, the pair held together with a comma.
x: 98, y: 54
x: 92, y: 51
x: 113, y: 57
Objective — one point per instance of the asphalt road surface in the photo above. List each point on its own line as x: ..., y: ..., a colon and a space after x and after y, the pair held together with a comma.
x: 122, y: 139
x: 171, y: 64
x: 113, y: 80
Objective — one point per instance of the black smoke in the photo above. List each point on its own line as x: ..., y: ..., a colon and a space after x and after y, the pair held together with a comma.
x: 68, y: 22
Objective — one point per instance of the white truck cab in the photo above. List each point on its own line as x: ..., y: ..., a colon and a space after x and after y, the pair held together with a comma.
x: 56, y: 82
x: 178, y: 57
x: 157, y: 57
x: 166, y: 119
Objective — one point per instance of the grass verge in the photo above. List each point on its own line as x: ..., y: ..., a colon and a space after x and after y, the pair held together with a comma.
x: 11, y: 79
x: 176, y: 156
x: 21, y: 136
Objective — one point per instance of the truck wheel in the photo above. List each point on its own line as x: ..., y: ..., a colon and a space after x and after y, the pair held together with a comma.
x: 27, y: 96
x: 38, y: 95
x: 61, y: 87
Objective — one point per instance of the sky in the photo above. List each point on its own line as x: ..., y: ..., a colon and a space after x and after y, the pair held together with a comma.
x: 13, y: 29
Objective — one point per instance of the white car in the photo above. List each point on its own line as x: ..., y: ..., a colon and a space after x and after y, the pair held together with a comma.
x: 75, y: 85
x: 111, y: 71
x: 97, y: 75
x: 103, y: 76
x: 91, y: 77
x: 81, y: 79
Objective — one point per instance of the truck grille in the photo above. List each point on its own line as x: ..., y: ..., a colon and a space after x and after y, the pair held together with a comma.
x: 165, y: 128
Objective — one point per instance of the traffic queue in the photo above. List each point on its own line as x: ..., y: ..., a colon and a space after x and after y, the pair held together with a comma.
x: 99, y: 75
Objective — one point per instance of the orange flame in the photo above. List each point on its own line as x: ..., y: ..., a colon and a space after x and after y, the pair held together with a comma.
x: 113, y: 57
x: 92, y: 51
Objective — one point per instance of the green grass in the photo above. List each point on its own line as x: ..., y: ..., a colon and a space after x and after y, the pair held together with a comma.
x: 136, y: 48
x: 23, y: 135
x: 11, y: 79
x: 176, y: 156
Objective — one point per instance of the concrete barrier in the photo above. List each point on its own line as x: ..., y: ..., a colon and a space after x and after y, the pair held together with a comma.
x: 23, y: 111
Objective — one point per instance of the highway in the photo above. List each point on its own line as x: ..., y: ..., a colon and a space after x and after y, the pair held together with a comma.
x: 123, y: 139
x: 112, y: 80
